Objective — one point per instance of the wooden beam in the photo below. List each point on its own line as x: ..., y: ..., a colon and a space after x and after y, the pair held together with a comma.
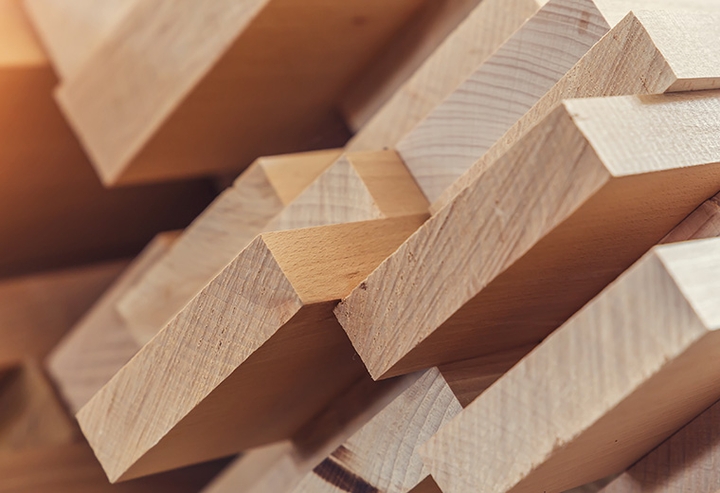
x: 648, y: 52
x: 72, y: 31
x: 100, y: 344
x: 356, y: 187
x: 480, y: 34
x: 216, y: 108
x: 49, y: 193
x: 72, y: 468
x: 620, y: 156
x: 30, y: 413
x: 617, y: 379
x: 213, y: 240
x: 37, y: 310
x: 258, y: 347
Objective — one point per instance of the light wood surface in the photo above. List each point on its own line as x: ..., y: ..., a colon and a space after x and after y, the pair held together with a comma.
x: 31, y: 415
x: 500, y: 91
x: 621, y: 157
x: 646, y: 53
x: 618, y: 378
x: 258, y: 347
x: 72, y: 31
x: 476, y: 38
x: 100, y: 343
x: 37, y: 310
x: 49, y: 193
x: 215, y: 238
x: 155, y: 115
x: 72, y: 468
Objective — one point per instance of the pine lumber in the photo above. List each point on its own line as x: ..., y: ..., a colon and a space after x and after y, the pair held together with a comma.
x: 49, y: 193
x: 616, y: 380
x: 648, y: 52
x: 280, y: 467
x: 30, y: 413
x: 258, y: 347
x: 483, y: 31
x: 72, y: 468
x: 353, y: 187
x: 266, y: 82
x: 100, y: 343
x: 72, y: 31
x: 526, y: 218
x: 215, y: 238
x: 37, y: 310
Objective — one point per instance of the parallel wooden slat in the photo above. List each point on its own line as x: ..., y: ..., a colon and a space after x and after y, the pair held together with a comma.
x: 527, y: 217
x: 623, y: 374
x: 266, y: 82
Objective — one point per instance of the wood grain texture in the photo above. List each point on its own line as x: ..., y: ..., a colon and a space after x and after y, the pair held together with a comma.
x: 266, y: 82
x: 215, y: 238
x: 100, y: 343
x: 645, y: 53
x: 49, y: 193
x: 617, y: 379
x: 527, y: 217
x: 280, y: 467
x: 37, y: 310
x: 499, y: 92
x: 258, y: 347
x: 480, y: 34
x: 429, y: 27
x: 72, y: 31
x: 31, y: 415
x: 72, y: 468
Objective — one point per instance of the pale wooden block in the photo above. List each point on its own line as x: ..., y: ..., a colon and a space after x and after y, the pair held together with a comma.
x: 632, y: 167
x: 618, y: 378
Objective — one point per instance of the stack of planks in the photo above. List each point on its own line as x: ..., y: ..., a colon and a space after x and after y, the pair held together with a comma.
x: 464, y: 245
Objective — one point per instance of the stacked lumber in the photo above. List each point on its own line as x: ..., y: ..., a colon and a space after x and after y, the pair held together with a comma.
x: 463, y: 245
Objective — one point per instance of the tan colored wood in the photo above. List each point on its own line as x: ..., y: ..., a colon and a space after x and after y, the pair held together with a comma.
x: 259, y: 347
x: 499, y: 92
x: 100, y: 343
x: 429, y: 27
x: 72, y: 468
x: 30, y: 413
x: 527, y: 217
x: 357, y: 187
x: 37, y: 310
x: 49, y: 193
x: 617, y: 379
x: 649, y: 52
x: 266, y: 82
x: 704, y: 222
x: 280, y: 467
x: 72, y: 31
x: 485, y: 29
x: 215, y: 238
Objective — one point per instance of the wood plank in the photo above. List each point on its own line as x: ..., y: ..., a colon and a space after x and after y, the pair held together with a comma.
x: 49, y: 193
x: 357, y: 187
x: 72, y: 31
x: 100, y: 343
x: 534, y: 206
x: 37, y: 310
x: 617, y: 379
x: 216, y: 108
x: 648, y: 52
x: 485, y: 29
x: 258, y: 347
x: 30, y: 413
x: 215, y: 238
x: 72, y: 468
